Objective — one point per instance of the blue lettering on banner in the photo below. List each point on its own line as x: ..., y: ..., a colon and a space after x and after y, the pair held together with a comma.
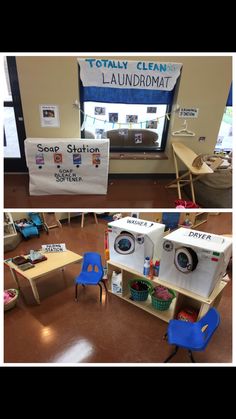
x: 141, y: 65
x: 106, y: 63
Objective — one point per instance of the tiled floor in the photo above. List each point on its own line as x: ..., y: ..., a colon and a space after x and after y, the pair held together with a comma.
x: 61, y: 330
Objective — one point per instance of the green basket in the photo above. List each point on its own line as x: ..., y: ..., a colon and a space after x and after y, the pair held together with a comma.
x: 139, y: 295
x: 160, y: 304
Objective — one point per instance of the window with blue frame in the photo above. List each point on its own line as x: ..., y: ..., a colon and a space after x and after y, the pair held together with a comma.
x: 128, y: 102
x: 225, y: 137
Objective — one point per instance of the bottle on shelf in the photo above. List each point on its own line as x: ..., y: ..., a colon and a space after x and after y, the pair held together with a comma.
x: 146, y: 266
x: 156, y: 268
x: 151, y: 270
x: 107, y: 254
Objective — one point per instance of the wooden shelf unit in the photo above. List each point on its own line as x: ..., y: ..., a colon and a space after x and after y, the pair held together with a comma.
x: 184, y: 298
x: 196, y: 218
x: 9, y: 226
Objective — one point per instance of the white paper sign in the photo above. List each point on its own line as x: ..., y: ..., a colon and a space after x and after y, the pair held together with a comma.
x: 123, y: 74
x: 49, y: 116
x: 188, y: 112
x: 211, y: 238
x: 60, y: 247
x: 67, y: 166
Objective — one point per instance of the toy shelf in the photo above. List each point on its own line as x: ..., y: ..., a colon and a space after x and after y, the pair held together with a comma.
x: 183, y: 297
x: 9, y: 226
x: 195, y: 218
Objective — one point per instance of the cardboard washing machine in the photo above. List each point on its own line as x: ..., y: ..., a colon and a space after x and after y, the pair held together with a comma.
x: 131, y: 240
x: 194, y: 260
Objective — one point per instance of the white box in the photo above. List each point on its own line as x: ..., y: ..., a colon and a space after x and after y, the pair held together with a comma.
x: 132, y: 239
x: 194, y: 260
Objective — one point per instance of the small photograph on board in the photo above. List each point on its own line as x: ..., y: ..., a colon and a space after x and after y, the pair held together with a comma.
x: 98, y: 110
x: 99, y: 132
x: 151, y: 109
x: 138, y: 138
x: 76, y: 158
x: 49, y: 116
x: 96, y: 158
x: 48, y: 113
x: 132, y: 118
x: 57, y: 158
x: 113, y: 117
x: 151, y: 124
x: 39, y: 158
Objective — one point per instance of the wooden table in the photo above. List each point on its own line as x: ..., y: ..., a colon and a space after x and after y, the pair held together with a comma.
x: 186, y: 155
x: 54, y: 262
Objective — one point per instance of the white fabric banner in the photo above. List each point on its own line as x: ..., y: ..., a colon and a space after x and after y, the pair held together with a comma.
x: 62, y: 166
x: 129, y: 74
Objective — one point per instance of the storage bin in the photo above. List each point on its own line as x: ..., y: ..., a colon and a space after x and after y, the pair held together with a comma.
x: 12, y: 302
x: 160, y: 304
x: 140, y: 295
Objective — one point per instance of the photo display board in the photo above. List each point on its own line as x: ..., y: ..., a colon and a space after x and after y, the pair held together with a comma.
x: 62, y: 166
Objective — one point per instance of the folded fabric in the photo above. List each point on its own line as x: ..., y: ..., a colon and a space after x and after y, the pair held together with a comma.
x: 180, y: 203
x: 19, y: 260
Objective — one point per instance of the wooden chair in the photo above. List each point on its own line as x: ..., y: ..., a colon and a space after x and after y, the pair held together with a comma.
x: 187, y: 156
x: 50, y: 220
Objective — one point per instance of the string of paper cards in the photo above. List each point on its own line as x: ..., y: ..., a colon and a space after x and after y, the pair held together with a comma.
x: 120, y: 124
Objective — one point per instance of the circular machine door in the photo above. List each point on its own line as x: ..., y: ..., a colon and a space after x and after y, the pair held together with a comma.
x: 124, y: 243
x: 186, y: 259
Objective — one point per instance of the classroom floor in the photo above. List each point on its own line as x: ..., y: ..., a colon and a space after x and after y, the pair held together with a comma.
x: 131, y: 192
x: 61, y: 330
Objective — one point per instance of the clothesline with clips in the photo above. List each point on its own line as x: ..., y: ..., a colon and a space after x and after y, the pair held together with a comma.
x: 120, y: 124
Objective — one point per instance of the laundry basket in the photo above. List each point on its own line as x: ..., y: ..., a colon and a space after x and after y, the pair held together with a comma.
x: 10, y: 298
x: 160, y: 303
x: 139, y: 289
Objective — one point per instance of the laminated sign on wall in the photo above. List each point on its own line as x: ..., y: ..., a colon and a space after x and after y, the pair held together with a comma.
x: 67, y: 166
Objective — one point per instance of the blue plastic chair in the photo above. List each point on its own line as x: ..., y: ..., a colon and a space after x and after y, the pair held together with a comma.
x: 36, y: 219
x: 192, y: 336
x: 91, y: 273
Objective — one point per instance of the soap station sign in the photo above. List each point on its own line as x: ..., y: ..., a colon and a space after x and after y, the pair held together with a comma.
x: 67, y: 166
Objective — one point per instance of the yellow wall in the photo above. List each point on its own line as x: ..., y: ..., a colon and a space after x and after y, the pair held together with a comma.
x: 204, y: 84
x: 19, y: 215
x: 59, y: 215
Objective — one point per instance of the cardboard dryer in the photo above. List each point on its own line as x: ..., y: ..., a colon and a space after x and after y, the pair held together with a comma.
x: 194, y: 260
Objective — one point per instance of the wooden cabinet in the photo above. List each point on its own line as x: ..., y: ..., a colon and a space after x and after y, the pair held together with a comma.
x: 184, y: 298
x: 9, y: 226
